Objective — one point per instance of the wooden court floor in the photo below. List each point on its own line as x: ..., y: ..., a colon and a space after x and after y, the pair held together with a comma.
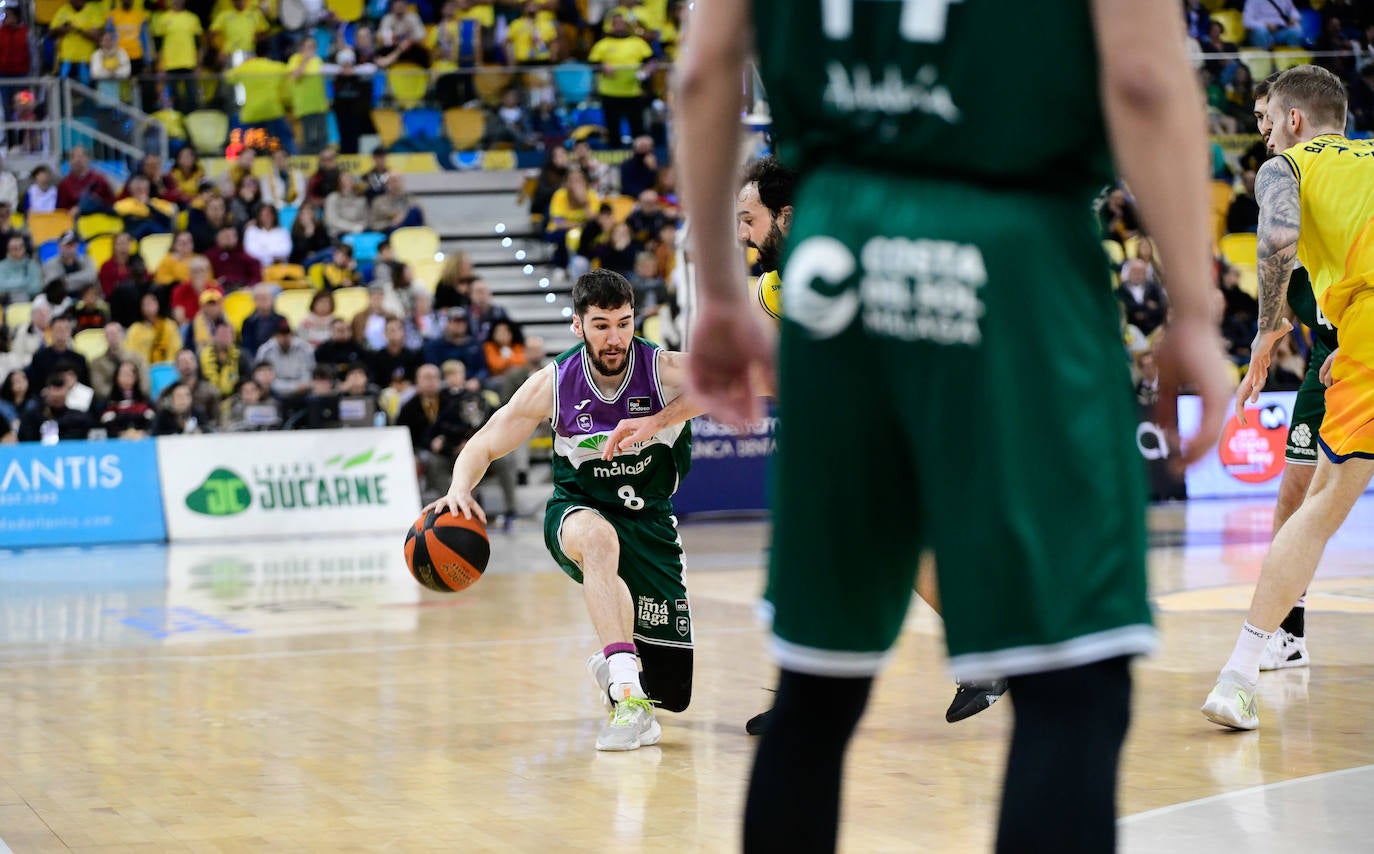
x: 309, y: 697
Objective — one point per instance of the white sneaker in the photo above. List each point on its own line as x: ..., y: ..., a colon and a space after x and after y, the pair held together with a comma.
x: 1284, y: 650
x: 632, y: 726
x: 1232, y: 703
x: 600, y: 671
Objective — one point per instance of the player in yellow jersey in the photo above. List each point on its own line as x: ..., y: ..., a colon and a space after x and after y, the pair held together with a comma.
x: 1317, y: 204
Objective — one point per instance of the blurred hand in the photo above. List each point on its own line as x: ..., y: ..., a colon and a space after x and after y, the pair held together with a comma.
x: 1190, y: 354
x: 1261, y: 355
x: 729, y: 348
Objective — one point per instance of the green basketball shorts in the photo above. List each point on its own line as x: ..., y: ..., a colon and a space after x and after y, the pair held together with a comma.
x: 650, y: 564
x: 952, y: 378
x: 1309, y: 408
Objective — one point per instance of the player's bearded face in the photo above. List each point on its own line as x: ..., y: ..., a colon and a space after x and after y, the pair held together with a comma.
x: 609, y: 359
x: 770, y: 249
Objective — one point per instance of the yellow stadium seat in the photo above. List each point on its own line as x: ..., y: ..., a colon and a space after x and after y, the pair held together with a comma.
x: 1232, y: 30
x: 1260, y: 63
x: 17, y: 314
x: 499, y: 160
x: 426, y: 273
x: 345, y: 10
x: 1239, y: 248
x: 294, y: 305
x: 95, y: 224
x: 408, y: 84
x: 237, y: 306
x: 207, y: 130
x: 17, y: 220
x: 388, y: 124
x: 1114, y: 252
x: 464, y: 127
x: 49, y: 226
x: 415, y: 244
x: 491, y: 85
x: 350, y: 302
x: 154, y: 248
x: 99, y: 249
x: 91, y: 343
x: 621, y: 206
x: 1290, y: 57
x: 1249, y: 280
x: 653, y: 329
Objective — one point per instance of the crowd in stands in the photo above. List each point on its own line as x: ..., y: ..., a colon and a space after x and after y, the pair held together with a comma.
x: 199, y: 311
x: 303, y: 64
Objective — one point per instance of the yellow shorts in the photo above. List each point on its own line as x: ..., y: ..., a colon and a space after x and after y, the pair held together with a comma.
x: 1348, y: 428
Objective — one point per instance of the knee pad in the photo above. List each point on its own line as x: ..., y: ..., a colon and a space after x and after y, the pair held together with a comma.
x: 666, y: 675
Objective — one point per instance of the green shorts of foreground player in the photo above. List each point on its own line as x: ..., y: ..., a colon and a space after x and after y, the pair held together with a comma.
x: 952, y: 378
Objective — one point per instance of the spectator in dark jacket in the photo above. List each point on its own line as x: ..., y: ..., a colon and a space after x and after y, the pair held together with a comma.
x: 1142, y: 297
x: 262, y: 324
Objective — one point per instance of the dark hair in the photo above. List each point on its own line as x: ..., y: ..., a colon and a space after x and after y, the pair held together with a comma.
x: 7, y: 387
x: 136, y: 394
x: 1315, y: 91
x: 344, y: 248
x: 775, y: 181
x: 322, y: 372
x: 517, y: 336
x: 319, y: 295
x: 601, y: 288
x: 1262, y: 87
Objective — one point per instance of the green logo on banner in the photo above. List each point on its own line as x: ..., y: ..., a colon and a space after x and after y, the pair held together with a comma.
x: 223, y: 493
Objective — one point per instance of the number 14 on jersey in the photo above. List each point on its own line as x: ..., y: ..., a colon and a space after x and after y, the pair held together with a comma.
x: 922, y: 20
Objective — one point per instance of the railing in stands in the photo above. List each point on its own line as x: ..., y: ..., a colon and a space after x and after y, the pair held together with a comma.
x: 111, y: 129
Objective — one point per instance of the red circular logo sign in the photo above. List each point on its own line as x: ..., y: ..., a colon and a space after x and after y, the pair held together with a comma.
x: 1253, y: 452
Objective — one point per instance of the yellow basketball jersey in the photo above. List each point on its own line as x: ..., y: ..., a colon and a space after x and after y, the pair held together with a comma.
x: 770, y: 294
x: 1336, y: 237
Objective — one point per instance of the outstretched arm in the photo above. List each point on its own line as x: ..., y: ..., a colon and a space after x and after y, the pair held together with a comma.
x: 1276, y: 189
x: 507, y: 430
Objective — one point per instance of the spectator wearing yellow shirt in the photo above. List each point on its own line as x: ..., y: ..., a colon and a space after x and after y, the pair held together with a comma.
x: 309, y: 101
x: 77, y: 25
x: 530, y: 40
x: 237, y: 30
x: 180, y: 32
x: 621, y: 58
x: 571, y: 207
x: 263, y: 83
x: 129, y: 21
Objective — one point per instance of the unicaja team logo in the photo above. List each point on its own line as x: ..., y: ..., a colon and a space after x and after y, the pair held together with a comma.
x: 340, y: 481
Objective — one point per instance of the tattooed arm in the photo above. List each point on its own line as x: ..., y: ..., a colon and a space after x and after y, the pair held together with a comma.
x: 1276, y: 188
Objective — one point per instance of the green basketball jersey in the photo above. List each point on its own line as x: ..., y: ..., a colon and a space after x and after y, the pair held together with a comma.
x: 996, y: 91
x: 1304, y: 305
x: 641, y: 481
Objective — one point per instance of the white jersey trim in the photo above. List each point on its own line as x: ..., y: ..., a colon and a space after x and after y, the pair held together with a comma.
x: 1086, y: 649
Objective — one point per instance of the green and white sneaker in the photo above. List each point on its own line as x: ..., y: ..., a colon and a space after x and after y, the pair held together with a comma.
x: 631, y: 726
x: 1232, y: 703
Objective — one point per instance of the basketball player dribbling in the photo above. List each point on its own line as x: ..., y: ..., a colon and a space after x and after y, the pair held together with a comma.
x: 609, y: 523
x: 1316, y: 204
x: 953, y: 287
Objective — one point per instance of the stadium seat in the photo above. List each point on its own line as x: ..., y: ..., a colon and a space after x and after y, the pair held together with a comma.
x: 237, y: 306
x: 49, y: 226
x: 364, y: 245
x: 621, y: 206
x: 498, y: 160
x: 573, y: 80
x: 1232, y: 30
x: 422, y: 123
x: 415, y: 244
x: 287, y: 216
x: 17, y: 314
x: 345, y: 10
x: 96, y: 224
x: 1249, y: 280
x: 91, y: 343
x: 408, y: 84
x: 1239, y: 249
x: 426, y: 273
x: 388, y: 124
x: 491, y: 85
x: 154, y: 248
x: 294, y: 305
x: 350, y: 302
x: 160, y: 376
x: 464, y: 127
x: 99, y: 249
x: 1290, y: 57
x: 653, y: 329
x: 47, y: 251
x: 207, y: 130
x: 1260, y: 62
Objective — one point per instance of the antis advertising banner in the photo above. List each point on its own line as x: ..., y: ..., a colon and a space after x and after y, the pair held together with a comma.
x: 729, y: 469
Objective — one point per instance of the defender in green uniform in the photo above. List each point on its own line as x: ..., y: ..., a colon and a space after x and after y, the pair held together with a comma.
x: 951, y: 373
x: 610, y: 522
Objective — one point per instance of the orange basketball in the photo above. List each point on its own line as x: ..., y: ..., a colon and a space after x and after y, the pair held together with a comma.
x: 447, y: 553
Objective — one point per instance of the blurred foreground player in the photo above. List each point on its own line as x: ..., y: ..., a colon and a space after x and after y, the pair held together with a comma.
x: 953, y: 287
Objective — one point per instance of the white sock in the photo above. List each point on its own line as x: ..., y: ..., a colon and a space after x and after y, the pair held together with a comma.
x: 1245, y: 658
x: 624, y: 668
